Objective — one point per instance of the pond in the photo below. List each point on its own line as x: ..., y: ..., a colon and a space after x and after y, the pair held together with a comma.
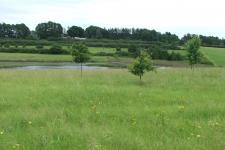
x: 57, y: 68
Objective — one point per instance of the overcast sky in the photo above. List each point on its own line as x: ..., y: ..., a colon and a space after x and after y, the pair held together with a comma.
x: 205, y: 17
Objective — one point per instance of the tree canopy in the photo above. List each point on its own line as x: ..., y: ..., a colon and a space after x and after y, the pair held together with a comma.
x: 142, y: 64
x: 80, y: 54
x: 14, y: 31
x: 75, y: 31
x: 192, y: 46
x: 49, y: 30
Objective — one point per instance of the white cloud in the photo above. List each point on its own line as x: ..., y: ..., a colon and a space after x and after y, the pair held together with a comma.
x: 178, y: 16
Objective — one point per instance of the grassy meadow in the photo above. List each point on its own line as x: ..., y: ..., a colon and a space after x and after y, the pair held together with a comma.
x: 112, y: 109
x: 215, y: 55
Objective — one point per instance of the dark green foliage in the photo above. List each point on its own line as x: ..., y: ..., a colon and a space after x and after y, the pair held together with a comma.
x: 20, y: 50
x: 103, y: 54
x: 75, y: 31
x: 208, y: 41
x: 80, y: 54
x: 21, y: 30
x: 174, y: 56
x: 49, y: 30
x: 187, y: 37
x: 14, y: 31
x: 118, y: 49
x: 123, y: 54
x: 134, y: 50
x: 6, y: 45
x: 39, y: 50
x: 56, y: 49
x: 39, y: 46
x: 96, y: 32
x: 158, y: 52
x: 24, y: 45
x: 54, y: 31
x: 192, y: 46
x: 142, y: 64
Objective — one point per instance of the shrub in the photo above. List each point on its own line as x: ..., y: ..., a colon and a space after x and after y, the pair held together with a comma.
x: 39, y: 46
x: 6, y: 45
x: 56, y: 49
x: 103, y: 54
x: 24, y: 45
x: 123, y: 53
x: 118, y: 49
x: 134, y: 50
x: 174, y: 56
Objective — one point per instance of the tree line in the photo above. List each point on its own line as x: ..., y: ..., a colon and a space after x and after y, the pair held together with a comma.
x: 52, y: 30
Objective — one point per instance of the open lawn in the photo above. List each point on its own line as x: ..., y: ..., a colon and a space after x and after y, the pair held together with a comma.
x: 111, y: 109
x: 215, y: 55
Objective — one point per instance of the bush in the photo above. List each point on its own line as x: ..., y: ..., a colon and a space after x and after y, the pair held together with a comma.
x: 56, y: 49
x: 123, y: 53
x: 103, y: 54
x: 24, y: 45
x: 6, y: 45
x: 158, y: 52
x: 175, y: 56
x: 118, y: 49
x: 18, y: 50
x: 134, y: 50
x: 39, y: 46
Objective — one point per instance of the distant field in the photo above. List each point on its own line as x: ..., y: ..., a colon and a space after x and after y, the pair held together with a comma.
x: 216, y: 55
x: 34, y: 57
x: 111, y: 110
x: 20, y: 59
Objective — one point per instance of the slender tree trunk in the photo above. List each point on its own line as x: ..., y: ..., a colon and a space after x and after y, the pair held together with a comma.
x: 140, y: 77
x: 81, y: 69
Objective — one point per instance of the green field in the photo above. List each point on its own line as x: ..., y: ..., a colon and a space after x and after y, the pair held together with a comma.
x: 20, y: 59
x: 215, y: 55
x: 170, y: 109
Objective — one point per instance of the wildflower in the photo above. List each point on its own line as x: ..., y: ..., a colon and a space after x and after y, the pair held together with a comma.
x: 2, y: 132
x: 30, y: 122
x: 198, y: 136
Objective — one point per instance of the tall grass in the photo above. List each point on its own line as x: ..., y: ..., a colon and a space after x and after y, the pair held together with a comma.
x: 171, y: 109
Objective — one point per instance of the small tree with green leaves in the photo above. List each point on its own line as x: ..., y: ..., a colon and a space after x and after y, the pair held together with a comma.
x: 80, y: 54
x: 142, y: 64
x: 194, y: 55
